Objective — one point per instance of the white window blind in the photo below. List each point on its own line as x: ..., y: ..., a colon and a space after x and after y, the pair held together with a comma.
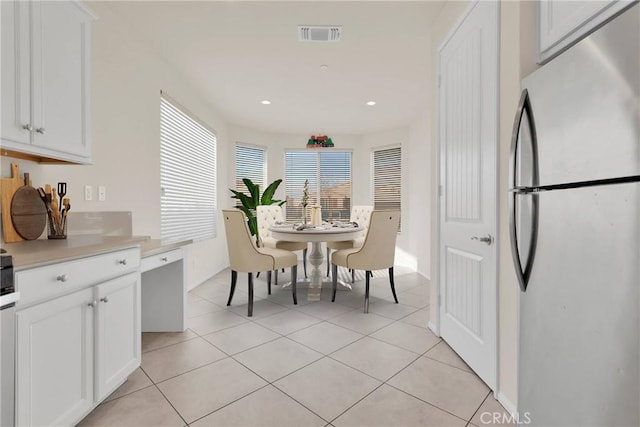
x: 250, y: 163
x: 187, y: 176
x: 387, y: 178
x: 329, y: 175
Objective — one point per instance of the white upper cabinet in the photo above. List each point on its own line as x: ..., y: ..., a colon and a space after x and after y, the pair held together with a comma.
x: 45, y: 79
x: 562, y: 23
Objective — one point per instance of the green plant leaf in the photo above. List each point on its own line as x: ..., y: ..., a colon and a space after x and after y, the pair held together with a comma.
x: 244, y: 199
x: 267, y: 196
x: 254, y: 190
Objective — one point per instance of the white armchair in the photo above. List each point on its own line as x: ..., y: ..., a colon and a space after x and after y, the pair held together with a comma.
x: 361, y: 215
x: 376, y: 253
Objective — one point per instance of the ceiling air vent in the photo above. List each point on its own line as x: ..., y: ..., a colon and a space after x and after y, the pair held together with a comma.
x: 319, y: 33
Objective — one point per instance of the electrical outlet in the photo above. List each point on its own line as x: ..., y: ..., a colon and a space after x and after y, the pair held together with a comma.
x: 102, y: 193
x: 88, y: 192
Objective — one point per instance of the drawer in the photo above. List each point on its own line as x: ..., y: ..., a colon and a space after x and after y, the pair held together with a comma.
x: 158, y: 260
x: 43, y: 283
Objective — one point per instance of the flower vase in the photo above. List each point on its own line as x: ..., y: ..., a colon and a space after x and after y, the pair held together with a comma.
x: 304, y: 215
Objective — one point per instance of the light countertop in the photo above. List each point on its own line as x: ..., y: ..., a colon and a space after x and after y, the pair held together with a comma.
x: 37, y: 253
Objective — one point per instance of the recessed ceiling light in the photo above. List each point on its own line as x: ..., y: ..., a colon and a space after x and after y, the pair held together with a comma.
x: 370, y: 103
x: 324, y: 67
x: 265, y: 102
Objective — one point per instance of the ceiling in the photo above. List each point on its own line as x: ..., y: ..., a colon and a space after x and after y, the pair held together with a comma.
x: 238, y: 53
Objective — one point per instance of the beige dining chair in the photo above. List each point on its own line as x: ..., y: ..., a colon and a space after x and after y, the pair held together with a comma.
x: 360, y: 215
x: 246, y: 257
x: 376, y: 253
x: 267, y: 216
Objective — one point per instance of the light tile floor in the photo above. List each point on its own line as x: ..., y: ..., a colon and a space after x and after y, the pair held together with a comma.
x: 311, y: 364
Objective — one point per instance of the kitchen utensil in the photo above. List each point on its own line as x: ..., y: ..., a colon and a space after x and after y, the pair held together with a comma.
x: 62, y: 191
x: 55, y: 209
x: 8, y: 187
x: 28, y: 215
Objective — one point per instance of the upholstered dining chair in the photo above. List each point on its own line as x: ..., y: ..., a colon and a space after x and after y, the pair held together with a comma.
x: 359, y: 215
x: 376, y: 253
x: 267, y: 216
x: 246, y: 257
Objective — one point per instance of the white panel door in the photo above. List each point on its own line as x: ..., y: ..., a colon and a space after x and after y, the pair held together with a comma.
x: 468, y: 145
x: 118, y: 347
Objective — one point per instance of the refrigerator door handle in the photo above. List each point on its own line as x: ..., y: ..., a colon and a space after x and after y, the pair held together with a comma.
x: 523, y: 272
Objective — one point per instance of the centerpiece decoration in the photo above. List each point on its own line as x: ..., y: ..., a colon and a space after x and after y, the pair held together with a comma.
x: 305, y: 200
x: 319, y: 141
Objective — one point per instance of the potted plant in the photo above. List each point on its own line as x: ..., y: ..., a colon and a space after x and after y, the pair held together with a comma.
x: 250, y: 201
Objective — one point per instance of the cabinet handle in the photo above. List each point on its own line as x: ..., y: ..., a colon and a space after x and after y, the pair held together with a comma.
x: 27, y: 127
x: 62, y: 278
x: 164, y: 259
x: 122, y: 261
x: 92, y: 304
x: 40, y: 131
x: 104, y: 299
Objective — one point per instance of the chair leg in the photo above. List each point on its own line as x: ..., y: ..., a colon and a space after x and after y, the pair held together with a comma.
x: 269, y: 281
x: 294, y: 283
x: 250, y: 306
x: 257, y: 274
x: 366, y: 291
x: 334, y: 282
x: 276, y: 282
x: 234, y: 279
x: 328, y: 260
x: 353, y: 275
x: 304, y: 261
x: 393, y: 287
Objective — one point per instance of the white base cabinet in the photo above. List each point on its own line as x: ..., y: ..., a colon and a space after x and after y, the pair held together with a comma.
x: 45, y: 79
x: 117, y: 332
x: 79, y: 344
x: 54, y: 361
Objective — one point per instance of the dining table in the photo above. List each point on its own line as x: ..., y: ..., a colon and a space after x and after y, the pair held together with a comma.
x: 316, y: 235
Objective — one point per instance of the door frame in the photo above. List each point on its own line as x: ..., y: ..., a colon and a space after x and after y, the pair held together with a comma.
x: 434, y: 322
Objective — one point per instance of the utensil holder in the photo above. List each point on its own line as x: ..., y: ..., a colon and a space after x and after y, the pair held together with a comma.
x: 56, y: 229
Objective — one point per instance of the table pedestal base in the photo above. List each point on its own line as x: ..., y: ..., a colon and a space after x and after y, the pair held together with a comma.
x: 315, y: 282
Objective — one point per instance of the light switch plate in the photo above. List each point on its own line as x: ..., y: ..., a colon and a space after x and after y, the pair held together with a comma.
x: 102, y: 193
x: 88, y: 192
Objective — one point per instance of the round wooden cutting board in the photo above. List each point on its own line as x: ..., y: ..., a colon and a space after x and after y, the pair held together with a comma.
x: 28, y: 213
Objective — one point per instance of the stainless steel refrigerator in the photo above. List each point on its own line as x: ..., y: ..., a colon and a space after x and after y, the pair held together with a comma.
x: 575, y: 232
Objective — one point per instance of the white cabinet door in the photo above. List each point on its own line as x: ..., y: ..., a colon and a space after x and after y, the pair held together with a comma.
x: 60, y: 50
x: 562, y: 23
x: 16, y: 72
x: 54, y: 363
x: 45, y: 79
x: 118, y: 348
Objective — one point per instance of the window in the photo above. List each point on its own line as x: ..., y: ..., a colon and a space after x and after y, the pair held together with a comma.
x: 329, y: 175
x: 387, y: 178
x: 187, y: 176
x: 250, y: 163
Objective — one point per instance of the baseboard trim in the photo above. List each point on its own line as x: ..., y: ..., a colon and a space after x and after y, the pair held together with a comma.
x: 507, y: 404
x: 433, y: 328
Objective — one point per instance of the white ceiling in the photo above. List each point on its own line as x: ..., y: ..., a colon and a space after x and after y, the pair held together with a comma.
x: 238, y: 53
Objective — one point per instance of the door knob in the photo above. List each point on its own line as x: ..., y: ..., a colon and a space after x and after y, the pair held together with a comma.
x: 488, y: 239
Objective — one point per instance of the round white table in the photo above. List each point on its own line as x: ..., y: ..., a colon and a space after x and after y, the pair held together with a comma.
x: 316, y: 235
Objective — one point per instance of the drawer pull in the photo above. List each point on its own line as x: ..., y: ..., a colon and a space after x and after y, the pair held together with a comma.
x: 122, y: 261
x: 164, y: 259
x: 62, y: 278
x: 104, y: 299
x: 92, y: 304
